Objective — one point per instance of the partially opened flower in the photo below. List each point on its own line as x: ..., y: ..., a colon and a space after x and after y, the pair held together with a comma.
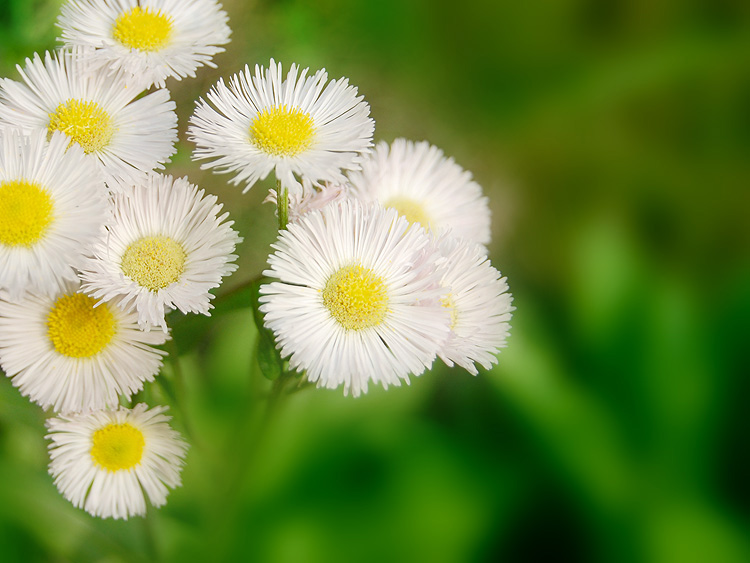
x: 165, y: 248
x: 105, y: 460
x: 426, y: 187
x: 357, y: 297
x: 126, y: 137
x: 297, y: 125
x: 64, y: 352
x: 52, y: 204
x: 149, y: 40
x: 479, y: 303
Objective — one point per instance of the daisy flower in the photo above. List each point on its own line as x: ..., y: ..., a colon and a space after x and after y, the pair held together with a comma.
x: 426, y: 187
x: 149, y: 40
x: 64, y: 352
x: 479, y: 303
x: 124, y: 136
x: 294, y: 125
x: 164, y: 249
x: 357, y: 297
x: 52, y: 205
x: 103, y: 461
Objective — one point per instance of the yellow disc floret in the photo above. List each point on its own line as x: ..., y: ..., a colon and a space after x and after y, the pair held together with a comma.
x: 356, y: 297
x: 282, y: 131
x: 143, y: 29
x: 26, y: 210
x: 86, y: 123
x: 154, y: 262
x: 410, y: 209
x: 450, y: 304
x: 77, y: 329
x: 117, y: 446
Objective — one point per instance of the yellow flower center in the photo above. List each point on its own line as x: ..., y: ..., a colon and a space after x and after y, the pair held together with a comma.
x: 25, y: 212
x: 356, y: 297
x: 142, y: 29
x: 412, y: 210
x: 117, y: 446
x: 282, y: 131
x: 86, y: 123
x: 154, y: 262
x: 77, y: 329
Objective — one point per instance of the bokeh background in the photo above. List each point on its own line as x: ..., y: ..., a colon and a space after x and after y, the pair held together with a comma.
x: 613, y: 139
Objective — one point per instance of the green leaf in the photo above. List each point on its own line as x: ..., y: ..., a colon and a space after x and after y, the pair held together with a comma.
x: 269, y: 357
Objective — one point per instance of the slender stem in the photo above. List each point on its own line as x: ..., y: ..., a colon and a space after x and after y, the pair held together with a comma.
x: 179, y: 394
x: 282, y: 202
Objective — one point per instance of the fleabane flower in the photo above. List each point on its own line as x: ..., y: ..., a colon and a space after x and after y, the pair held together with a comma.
x: 479, y: 303
x: 65, y: 352
x: 104, y: 461
x: 148, y: 40
x: 126, y: 137
x: 165, y: 248
x: 294, y: 125
x: 52, y: 206
x: 426, y: 187
x: 357, y: 298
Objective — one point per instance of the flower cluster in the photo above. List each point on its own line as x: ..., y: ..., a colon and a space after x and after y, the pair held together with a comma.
x: 97, y: 246
x: 380, y: 266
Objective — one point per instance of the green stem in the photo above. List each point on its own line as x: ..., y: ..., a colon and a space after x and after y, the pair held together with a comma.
x: 282, y: 203
x: 178, y: 393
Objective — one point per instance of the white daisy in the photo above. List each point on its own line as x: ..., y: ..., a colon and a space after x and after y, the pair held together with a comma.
x: 52, y: 205
x: 149, y: 40
x: 358, y: 297
x: 294, y: 125
x: 164, y: 249
x: 64, y: 352
x: 479, y: 303
x: 125, y: 136
x: 424, y: 186
x: 103, y: 461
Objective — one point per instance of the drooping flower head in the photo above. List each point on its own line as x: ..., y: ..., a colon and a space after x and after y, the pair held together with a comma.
x: 426, y: 187
x: 148, y: 40
x: 52, y: 205
x: 357, y: 297
x: 165, y: 248
x: 66, y: 353
x: 126, y: 137
x: 298, y: 125
x: 479, y: 303
x: 105, y: 460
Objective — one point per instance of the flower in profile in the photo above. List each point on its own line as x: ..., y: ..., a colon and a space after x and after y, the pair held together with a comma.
x: 64, y: 352
x: 310, y: 198
x: 148, y: 40
x: 294, y: 125
x: 104, y: 461
x: 126, y: 137
x: 357, y: 297
x: 426, y: 187
x: 479, y: 304
x: 165, y: 248
x: 52, y: 203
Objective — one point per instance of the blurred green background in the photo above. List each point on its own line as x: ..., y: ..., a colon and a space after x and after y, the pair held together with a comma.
x: 613, y: 139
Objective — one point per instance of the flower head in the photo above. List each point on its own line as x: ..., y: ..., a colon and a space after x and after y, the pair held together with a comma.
x: 424, y: 186
x: 65, y: 352
x: 479, y: 304
x: 297, y: 125
x: 165, y: 248
x: 105, y: 460
x: 149, y: 41
x: 357, y: 297
x: 52, y: 205
x: 126, y: 137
